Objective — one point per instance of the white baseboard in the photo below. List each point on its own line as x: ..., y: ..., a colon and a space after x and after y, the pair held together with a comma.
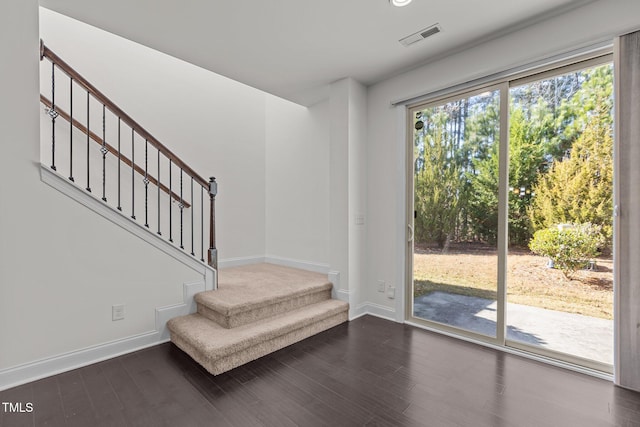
x: 33, y: 371
x: 294, y: 263
x: 28, y: 372
x: 272, y: 259
x: 240, y: 261
x: 334, y: 278
x: 342, y: 295
x: 373, y: 310
x: 163, y: 314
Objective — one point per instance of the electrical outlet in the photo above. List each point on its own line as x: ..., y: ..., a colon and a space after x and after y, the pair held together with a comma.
x: 391, y: 292
x: 117, y: 312
x: 381, y: 286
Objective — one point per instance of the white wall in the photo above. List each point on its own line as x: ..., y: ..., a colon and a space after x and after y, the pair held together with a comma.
x: 316, y: 185
x: 62, y: 267
x: 357, y: 218
x: 297, y: 182
x: 595, y: 22
x: 216, y: 125
x: 347, y: 183
x: 339, y: 186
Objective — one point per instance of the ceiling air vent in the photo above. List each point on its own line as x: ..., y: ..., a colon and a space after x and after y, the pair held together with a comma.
x: 421, y: 35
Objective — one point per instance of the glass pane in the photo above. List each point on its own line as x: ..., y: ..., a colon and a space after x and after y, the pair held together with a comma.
x: 456, y: 213
x: 560, y: 270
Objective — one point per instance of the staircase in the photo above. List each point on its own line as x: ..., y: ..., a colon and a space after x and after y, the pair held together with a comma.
x: 256, y: 310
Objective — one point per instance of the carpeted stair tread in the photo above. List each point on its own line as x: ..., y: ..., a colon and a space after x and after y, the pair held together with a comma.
x: 219, y: 349
x: 213, y: 338
x: 252, y: 287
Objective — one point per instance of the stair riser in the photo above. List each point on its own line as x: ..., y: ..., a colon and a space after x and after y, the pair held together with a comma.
x: 246, y: 355
x: 257, y: 314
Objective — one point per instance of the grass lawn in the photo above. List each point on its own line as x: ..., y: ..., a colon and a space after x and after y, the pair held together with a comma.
x: 472, y: 270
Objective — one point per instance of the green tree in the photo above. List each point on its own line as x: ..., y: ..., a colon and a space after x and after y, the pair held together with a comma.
x: 546, y: 119
x: 556, y: 93
x: 483, y: 200
x: 450, y: 139
x: 479, y: 212
x: 595, y: 88
x: 579, y: 188
x: 528, y: 143
x: 437, y: 180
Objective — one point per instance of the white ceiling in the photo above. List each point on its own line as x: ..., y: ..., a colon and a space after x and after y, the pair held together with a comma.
x: 296, y: 48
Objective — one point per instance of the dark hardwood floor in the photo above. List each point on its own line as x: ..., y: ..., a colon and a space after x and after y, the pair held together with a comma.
x: 370, y: 372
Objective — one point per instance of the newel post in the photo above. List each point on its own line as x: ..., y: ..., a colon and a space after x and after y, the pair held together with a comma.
x: 213, y: 252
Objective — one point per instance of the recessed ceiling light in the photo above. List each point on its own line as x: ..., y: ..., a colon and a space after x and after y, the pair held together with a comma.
x: 399, y: 3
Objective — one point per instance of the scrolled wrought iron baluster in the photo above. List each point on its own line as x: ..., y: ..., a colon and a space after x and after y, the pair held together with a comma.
x: 104, y: 152
x: 181, y: 206
x: 121, y: 156
x: 170, y: 202
x: 53, y: 114
x: 146, y: 184
x: 212, y: 258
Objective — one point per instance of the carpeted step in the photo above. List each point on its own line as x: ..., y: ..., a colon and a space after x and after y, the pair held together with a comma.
x: 252, y: 293
x: 219, y: 349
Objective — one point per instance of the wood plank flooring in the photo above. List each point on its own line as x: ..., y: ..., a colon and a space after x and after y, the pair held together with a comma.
x: 369, y: 372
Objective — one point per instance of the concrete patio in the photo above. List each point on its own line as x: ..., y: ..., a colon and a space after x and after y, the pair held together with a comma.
x: 582, y: 336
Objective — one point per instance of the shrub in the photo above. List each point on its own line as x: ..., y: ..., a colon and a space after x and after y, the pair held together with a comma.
x: 570, y: 248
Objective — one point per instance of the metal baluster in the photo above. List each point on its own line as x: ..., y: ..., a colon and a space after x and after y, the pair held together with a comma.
x: 212, y: 258
x: 146, y: 184
x: 170, y: 201
x: 201, y: 223
x: 119, y: 164
x: 88, y: 147
x: 71, y: 130
x: 181, y: 206
x: 53, y: 114
x: 158, y: 182
x: 192, y: 206
x: 104, y: 151
x: 133, y: 176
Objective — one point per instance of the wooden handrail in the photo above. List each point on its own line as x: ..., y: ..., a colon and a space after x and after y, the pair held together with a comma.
x: 210, y: 186
x: 63, y: 114
x: 45, y: 52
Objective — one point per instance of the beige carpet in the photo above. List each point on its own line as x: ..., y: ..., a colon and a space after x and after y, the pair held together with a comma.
x: 256, y: 310
x: 255, y: 292
x: 219, y: 349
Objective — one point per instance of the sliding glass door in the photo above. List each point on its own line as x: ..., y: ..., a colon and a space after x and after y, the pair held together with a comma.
x: 455, y: 254
x: 560, y: 283
x: 512, y: 230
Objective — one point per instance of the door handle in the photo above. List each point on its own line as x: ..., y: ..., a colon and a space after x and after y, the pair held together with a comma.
x: 410, y: 239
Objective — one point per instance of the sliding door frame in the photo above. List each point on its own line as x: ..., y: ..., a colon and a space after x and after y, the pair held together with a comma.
x: 503, y: 89
x: 503, y: 85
